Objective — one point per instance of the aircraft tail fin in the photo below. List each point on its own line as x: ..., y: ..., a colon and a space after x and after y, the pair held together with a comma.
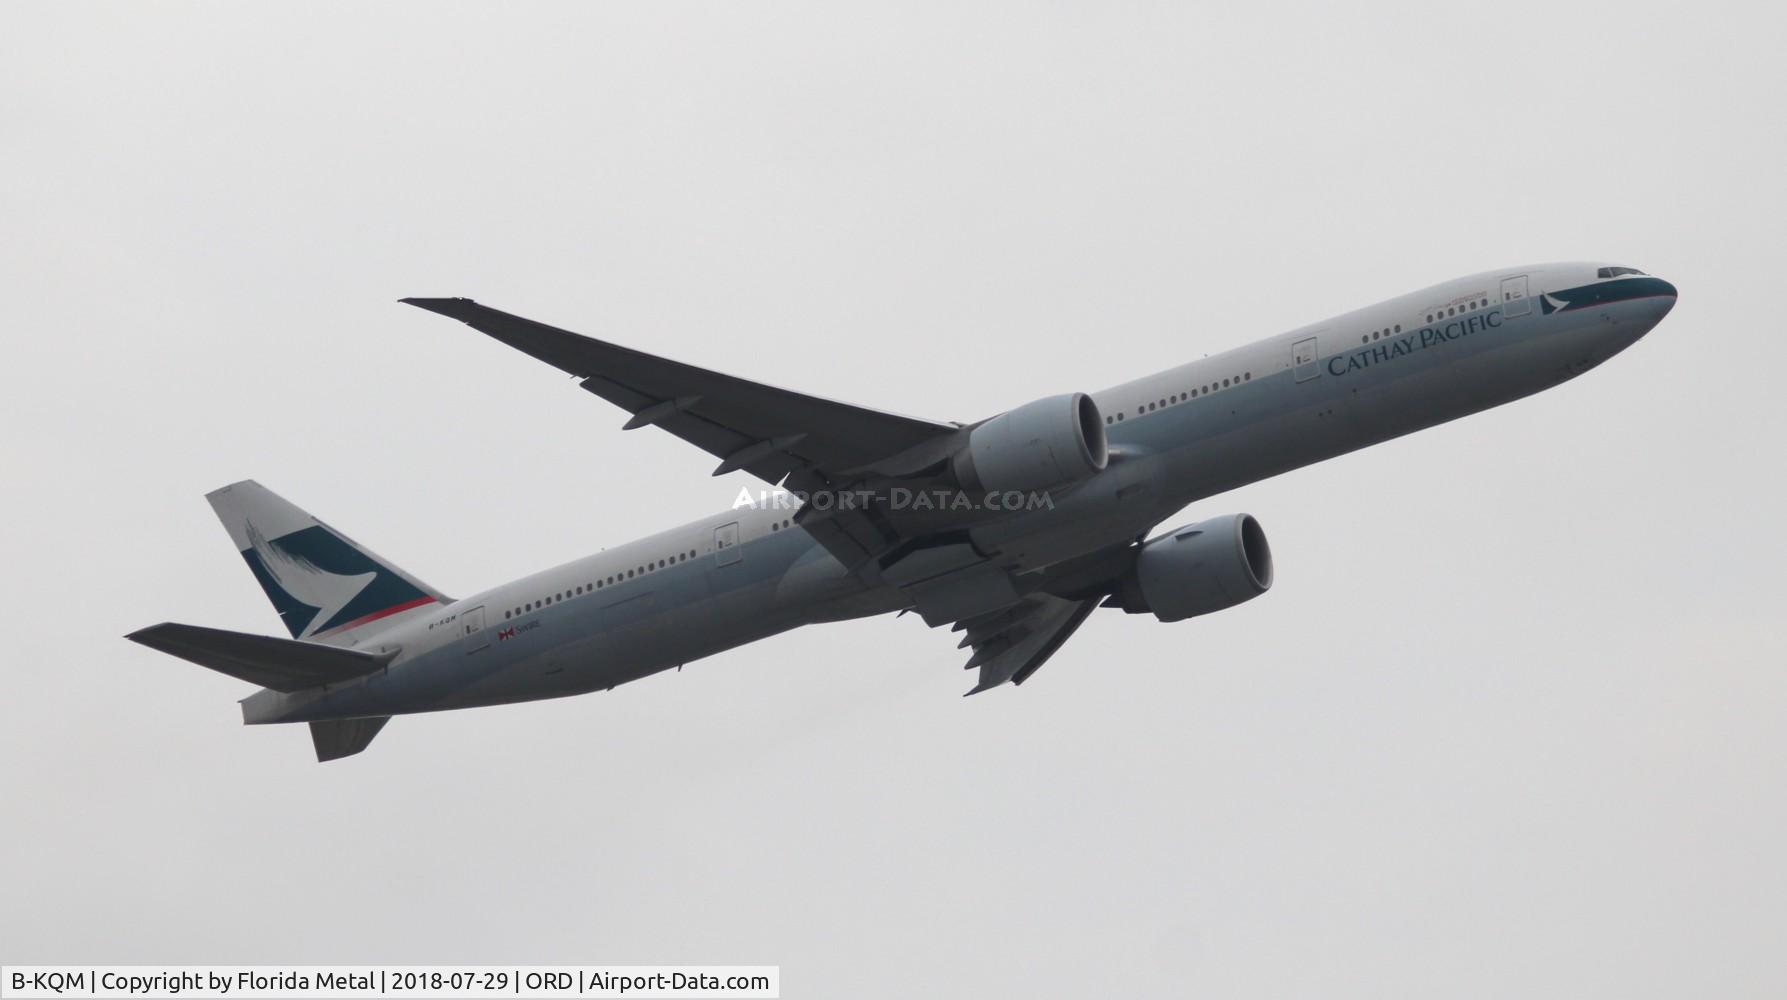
x: 326, y: 587
x: 344, y: 737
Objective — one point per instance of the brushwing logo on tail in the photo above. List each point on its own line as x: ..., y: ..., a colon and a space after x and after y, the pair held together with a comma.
x: 319, y: 583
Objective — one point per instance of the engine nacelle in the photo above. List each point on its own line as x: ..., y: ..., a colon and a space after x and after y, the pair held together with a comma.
x: 1050, y: 442
x: 1198, y: 569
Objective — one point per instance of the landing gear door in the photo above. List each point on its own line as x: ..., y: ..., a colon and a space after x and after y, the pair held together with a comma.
x: 1514, y: 300
x: 471, y: 629
x: 726, y: 550
x: 1305, y: 360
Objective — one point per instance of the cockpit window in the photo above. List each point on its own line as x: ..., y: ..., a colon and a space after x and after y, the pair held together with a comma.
x: 1614, y: 272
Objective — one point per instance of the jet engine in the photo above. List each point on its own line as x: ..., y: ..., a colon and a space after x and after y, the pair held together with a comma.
x: 1198, y: 569
x: 1050, y: 442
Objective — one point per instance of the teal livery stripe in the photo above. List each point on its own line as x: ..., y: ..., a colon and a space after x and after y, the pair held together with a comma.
x: 315, y: 560
x: 1604, y: 292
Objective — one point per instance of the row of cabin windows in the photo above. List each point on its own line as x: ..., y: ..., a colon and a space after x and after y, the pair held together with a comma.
x: 1391, y: 331
x: 1193, y: 392
x: 1456, y: 310
x: 590, y: 588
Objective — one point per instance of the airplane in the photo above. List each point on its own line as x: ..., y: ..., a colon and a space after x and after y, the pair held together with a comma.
x: 1012, y: 529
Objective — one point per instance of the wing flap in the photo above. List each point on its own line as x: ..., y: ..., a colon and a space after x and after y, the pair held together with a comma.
x: 280, y: 664
x: 1011, y: 644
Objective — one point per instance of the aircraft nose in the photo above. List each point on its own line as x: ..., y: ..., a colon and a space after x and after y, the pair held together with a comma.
x: 1665, y: 298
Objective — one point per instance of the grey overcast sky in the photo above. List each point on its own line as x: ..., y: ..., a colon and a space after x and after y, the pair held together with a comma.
x: 1510, y: 723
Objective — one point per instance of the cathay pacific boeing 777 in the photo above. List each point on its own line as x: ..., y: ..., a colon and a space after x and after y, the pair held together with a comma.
x: 1014, y: 528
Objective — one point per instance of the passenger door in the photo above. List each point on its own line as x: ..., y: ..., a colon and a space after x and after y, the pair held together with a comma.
x: 726, y: 550
x: 1305, y: 359
x: 1514, y: 298
x: 471, y: 628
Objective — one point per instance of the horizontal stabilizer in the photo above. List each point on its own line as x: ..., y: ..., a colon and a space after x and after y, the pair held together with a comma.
x: 280, y: 664
x: 344, y: 737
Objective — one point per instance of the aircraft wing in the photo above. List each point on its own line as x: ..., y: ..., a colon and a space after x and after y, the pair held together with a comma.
x: 766, y: 431
x: 1014, y: 642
